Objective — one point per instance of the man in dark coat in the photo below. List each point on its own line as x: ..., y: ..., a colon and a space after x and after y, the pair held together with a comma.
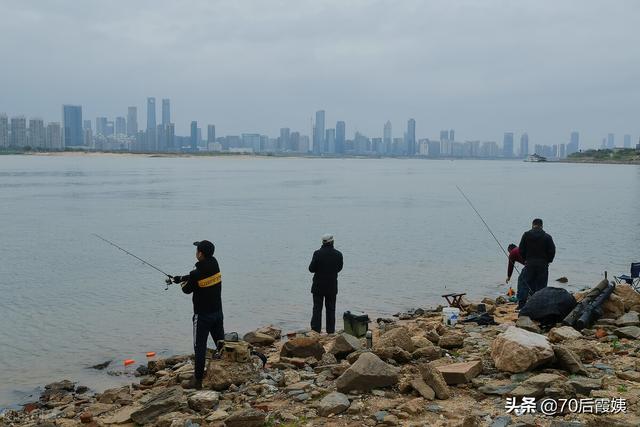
x: 538, y: 250
x: 325, y: 266
x: 205, y: 283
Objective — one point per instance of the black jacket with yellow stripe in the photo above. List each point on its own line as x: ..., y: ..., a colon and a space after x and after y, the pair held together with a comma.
x: 205, y: 282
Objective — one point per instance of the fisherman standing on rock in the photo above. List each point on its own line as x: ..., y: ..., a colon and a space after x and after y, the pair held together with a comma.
x: 325, y: 266
x: 538, y: 250
x: 205, y: 283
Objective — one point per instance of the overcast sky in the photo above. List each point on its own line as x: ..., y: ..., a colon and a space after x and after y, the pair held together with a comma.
x: 479, y: 67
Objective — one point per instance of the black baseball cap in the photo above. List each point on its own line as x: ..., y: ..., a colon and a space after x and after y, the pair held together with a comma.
x: 206, y: 247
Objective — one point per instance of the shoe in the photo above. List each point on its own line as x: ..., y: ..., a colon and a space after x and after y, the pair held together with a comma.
x: 192, y: 384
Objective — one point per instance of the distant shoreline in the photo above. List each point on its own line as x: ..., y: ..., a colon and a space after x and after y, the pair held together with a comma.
x: 602, y: 162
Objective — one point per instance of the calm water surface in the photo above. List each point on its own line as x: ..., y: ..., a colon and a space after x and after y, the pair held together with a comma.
x: 70, y: 301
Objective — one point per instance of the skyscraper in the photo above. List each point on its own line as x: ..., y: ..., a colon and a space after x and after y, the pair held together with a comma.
x: 101, y: 126
x: 387, y: 138
x: 340, y: 137
x: 36, y: 137
x: 611, y: 140
x: 18, y: 136
x: 170, y: 136
x: 166, y: 111
x: 444, y: 136
x: 452, y: 135
x: 284, y: 141
x: 86, y: 124
x: 524, y: 145
x: 54, y: 136
x: 574, y: 143
x: 507, y: 145
x: 411, y: 137
x: 194, y: 135
x: 211, y: 134
x: 4, y: 131
x: 318, y: 133
x: 121, y: 126
x: 72, y: 125
x: 132, y: 121
x: 627, y: 141
x: 151, y: 113
x: 330, y: 141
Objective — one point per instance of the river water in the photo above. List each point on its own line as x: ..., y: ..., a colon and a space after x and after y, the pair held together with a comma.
x: 70, y: 301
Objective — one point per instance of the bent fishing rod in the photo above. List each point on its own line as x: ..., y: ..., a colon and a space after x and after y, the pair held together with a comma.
x: 486, y: 225
x: 170, y: 277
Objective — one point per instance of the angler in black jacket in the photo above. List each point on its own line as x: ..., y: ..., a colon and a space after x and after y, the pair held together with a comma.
x: 205, y: 283
x: 325, y: 266
x: 538, y: 250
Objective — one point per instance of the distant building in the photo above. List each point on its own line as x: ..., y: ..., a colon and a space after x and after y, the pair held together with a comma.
x: 452, y: 137
x: 318, y: 133
x: 151, y: 114
x: 54, y: 136
x: 434, y: 149
x: 211, y: 134
x: 18, y: 136
x: 37, y: 136
x: 72, y: 125
x: 251, y: 141
x: 194, y: 136
x: 507, y: 145
x: 304, y: 145
x: 627, y: 141
x: 411, y: 137
x: 611, y: 140
x: 4, y: 131
x: 340, y: 137
x: 132, y: 121
x: 444, y: 135
x: 574, y: 144
x: 524, y: 145
x: 166, y: 112
x: 387, y: 138
x: 88, y: 138
x: 170, y: 136
x: 284, y: 141
x: 101, y: 126
x: 121, y: 126
x: 86, y: 124
x: 562, y: 153
x: 330, y: 141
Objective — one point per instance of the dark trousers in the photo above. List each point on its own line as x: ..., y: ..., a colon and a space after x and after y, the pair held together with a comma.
x: 537, y: 277
x: 204, y: 325
x: 330, y: 308
x: 523, y: 288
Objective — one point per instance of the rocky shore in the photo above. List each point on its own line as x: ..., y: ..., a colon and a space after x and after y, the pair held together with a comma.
x: 418, y: 373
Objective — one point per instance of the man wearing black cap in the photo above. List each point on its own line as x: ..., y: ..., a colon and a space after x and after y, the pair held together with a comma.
x: 325, y: 266
x: 205, y: 283
x: 538, y: 251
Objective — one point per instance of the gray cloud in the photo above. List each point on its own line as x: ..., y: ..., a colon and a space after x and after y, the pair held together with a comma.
x: 482, y: 68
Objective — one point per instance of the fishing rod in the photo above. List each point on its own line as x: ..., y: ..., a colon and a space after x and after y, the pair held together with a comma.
x: 136, y: 257
x: 486, y: 225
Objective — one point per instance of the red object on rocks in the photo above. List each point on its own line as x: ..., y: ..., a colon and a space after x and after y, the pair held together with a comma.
x: 86, y: 417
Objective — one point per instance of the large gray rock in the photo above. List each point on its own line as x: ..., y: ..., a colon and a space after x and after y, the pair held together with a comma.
x: 423, y: 388
x: 168, y: 400
x: 221, y: 374
x: 367, y: 373
x: 395, y: 353
x: 345, y: 344
x: 563, y: 333
x: 258, y: 338
x: 517, y: 350
x: 630, y: 332
x: 203, y: 400
x: 396, y: 337
x: 434, y: 379
x: 525, y: 322
x: 629, y: 319
x: 303, y: 347
x: 333, y: 403
x: 568, y: 360
x: 246, y: 418
x: 451, y: 340
x: 584, y: 385
x: 536, y: 385
x: 430, y: 353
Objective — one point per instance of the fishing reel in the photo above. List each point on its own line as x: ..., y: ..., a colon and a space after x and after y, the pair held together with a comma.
x: 168, y: 281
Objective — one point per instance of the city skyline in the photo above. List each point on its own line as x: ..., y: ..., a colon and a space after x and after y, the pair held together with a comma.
x: 479, y: 68
x: 119, y: 135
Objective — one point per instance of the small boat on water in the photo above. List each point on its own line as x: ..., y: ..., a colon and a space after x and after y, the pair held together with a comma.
x: 534, y: 158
